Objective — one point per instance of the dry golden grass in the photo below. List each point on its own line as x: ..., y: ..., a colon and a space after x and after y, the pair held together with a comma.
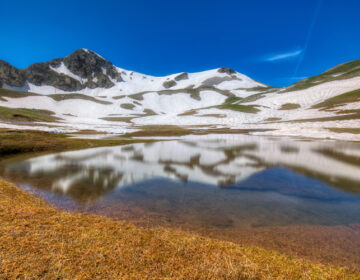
x: 354, y: 130
x: 38, y: 241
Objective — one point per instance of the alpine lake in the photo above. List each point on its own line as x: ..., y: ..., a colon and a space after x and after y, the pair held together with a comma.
x: 294, y: 195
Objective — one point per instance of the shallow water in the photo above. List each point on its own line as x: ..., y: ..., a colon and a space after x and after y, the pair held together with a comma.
x: 221, y: 185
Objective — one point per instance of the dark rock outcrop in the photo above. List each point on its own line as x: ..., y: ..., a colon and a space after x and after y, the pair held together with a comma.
x: 182, y: 76
x: 85, y: 63
x: 10, y: 75
x: 228, y: 71
x: 41, y: 74
x: 169, y: 84
x: 215, y: 81
x: 93, y: 72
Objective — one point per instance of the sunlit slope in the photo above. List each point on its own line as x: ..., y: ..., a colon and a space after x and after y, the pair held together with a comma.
x: 85, y: 91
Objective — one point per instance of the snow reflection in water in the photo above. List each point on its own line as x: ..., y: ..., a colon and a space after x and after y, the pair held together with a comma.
x: 233, y: 181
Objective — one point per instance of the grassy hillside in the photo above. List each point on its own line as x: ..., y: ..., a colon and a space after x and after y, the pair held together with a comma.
x: 343, y: 71
x: 342, y: 99
x: 14, y: 94
x: 67, y: 96
x: 28, y: 115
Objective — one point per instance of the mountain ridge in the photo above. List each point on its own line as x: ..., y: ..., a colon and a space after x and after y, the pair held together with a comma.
x: 85, y: 91
x: 85, y: 69
x: 83, y: 63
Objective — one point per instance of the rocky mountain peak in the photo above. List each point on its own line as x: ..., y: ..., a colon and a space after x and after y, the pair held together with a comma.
x: 10, y: 75
x: 81, y: 69
x: 83, y: 63
x: 226, y: 70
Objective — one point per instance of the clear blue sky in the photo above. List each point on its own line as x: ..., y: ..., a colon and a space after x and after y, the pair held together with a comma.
x: 274, y: 41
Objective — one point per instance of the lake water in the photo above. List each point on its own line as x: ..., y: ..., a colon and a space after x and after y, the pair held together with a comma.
x: 271, y: 192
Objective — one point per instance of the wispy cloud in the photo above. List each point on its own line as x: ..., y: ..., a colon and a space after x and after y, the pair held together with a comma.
x: 308, y: 37
x: 287, y: 55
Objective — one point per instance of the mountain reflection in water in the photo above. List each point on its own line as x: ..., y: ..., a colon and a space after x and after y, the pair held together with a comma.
x: 239, y: 179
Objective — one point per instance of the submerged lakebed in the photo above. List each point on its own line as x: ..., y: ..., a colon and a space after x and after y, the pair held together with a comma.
x: 298, y: 196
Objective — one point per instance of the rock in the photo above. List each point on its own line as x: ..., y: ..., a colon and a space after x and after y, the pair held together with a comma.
x: 169, y: 84
x: 103, y: 81
x: 114, y: 74
x: 228, y: 71
x: 56, y: 62
x: 215, y: 81
x: 10, y: 75
x: 41, y: 74
x: 182, y: 76
x: 83, y: 63
x: 38, y: 73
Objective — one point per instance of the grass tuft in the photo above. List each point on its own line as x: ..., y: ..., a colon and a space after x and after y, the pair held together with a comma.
x: 69, y: 96
x: 240, y: 108
x: 344, y: 130
x: 289, y: 106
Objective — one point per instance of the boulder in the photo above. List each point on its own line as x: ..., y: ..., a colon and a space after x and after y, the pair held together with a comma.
x: 169, y: 84
x: 182, y: 76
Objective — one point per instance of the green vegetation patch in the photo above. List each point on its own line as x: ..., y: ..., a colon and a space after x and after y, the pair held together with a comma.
x: 159, y: 130
x: 193, y: 92
x: 119, y: 97
x: 149, y: 112
x: 127, y: 106
x: 353, y: 111
x: 118, y: 119
x: 67, y: 96
x: 289, y: 106
x: 343, y: 71
x: 344, y: 130
x: 30, y: 115
x: 260, y: 88
x: 188, y: 113
x: 349, y: 97
x: 137, y: 96
x: 328, y: 119
x: 253, y: 97
x: 14, y: 94
x: 233, y: 99
x: 273, y: 119
x: 240, y: 108
x: 213, y: 115
x: 12, y: 142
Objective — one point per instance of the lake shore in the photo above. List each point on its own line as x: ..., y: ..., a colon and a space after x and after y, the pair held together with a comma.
x: 39, y: 241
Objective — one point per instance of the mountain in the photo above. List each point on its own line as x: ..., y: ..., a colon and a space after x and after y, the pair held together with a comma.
x: 341, y: 72
x: 84, y: 70
x: 86, y: 91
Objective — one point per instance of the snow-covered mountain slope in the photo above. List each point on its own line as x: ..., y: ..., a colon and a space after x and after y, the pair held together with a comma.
x: 85, y: 91
x: 88, y: 73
